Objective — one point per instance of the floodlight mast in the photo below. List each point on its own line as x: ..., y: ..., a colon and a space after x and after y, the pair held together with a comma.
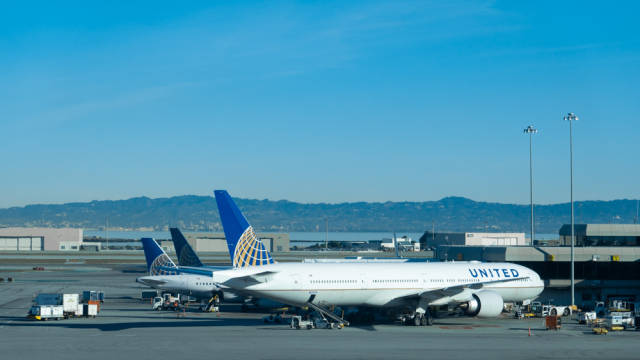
x: 571, y: 117
x: 531, y: 130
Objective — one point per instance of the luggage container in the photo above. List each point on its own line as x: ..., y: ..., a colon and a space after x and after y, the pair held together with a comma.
x: 90, y: 310
x: 553, y: 322
x: 70, y: 304
x: 96, y: 303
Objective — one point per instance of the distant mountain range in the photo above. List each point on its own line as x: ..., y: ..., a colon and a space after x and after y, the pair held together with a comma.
x: 200, y: 213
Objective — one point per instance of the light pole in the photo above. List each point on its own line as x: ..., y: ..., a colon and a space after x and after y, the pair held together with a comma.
x: 571, y: 117
x: 531, y: 130
x: 326, y: 237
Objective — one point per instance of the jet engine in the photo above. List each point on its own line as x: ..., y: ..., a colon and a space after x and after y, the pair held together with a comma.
x: 484, y: 304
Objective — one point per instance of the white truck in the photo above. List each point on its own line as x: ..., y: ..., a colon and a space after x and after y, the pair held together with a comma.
x: 166, y: 302
x: 557, y: 310
x: 46, y: 312
x: 550, y: 310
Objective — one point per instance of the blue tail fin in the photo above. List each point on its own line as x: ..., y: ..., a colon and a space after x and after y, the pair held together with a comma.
x: 158, y: 262
x: 184, y: 251
x: 245, y: 248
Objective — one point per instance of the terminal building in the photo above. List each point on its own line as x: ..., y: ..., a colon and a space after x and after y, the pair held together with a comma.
x: 601, y: 234
x: 217, y: 242
x: 40, y: 239
x: 607, y: 262
x: 430, y: 239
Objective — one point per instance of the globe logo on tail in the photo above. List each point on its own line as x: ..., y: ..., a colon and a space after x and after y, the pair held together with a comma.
x: 162, y: 261
x: 250, y: 251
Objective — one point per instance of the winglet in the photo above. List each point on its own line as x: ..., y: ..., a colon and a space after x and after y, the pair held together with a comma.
x: 245, y: 248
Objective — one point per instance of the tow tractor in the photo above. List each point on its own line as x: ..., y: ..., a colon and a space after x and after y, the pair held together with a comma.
x: 166, y: 302
x: 298, y: 322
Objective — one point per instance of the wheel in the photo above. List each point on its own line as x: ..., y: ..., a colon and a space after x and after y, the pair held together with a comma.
x: 566, y: 312
x: 309, y: 327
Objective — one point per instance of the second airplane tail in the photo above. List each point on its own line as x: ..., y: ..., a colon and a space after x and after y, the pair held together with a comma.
x: 245, y: 247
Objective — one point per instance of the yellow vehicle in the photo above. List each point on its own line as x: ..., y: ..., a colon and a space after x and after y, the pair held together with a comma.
x: 600, y: 331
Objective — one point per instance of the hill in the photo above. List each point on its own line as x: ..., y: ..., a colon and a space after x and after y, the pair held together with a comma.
x: 199, y: 213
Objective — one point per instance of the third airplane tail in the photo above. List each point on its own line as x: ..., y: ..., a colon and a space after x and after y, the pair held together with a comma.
x: 245, y: 247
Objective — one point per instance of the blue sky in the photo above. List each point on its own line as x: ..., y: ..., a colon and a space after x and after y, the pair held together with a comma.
x: 317, y: 101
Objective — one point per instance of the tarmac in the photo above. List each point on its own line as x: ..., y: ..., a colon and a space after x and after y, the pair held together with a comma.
x: 127, y: 328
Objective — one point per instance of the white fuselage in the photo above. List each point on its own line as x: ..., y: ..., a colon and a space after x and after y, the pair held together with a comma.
x: 378, y: 284
x: 194, y: 285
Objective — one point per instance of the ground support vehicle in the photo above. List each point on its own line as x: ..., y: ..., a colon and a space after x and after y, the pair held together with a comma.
x: 298, y: 322
x: 550, y: 310
x: 623, y: 319
x: 166, y: 302
x: 586, y: 317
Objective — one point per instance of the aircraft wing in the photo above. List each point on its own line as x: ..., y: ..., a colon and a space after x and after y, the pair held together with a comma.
x: 460, y: 292
x: 248, y: 280
x: 151, y: 282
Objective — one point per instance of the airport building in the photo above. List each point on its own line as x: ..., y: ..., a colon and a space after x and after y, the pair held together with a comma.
x: 601, y: 234
x: 216, y: 242
x: 40, y: 239
x: 430, y: 239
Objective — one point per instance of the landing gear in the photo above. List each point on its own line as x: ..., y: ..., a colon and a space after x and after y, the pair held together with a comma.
x: 421, y: 319
x: 422, y: 316
x: 417, y: 320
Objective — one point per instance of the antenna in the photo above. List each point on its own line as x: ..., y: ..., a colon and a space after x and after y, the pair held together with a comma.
x: 106, y: 230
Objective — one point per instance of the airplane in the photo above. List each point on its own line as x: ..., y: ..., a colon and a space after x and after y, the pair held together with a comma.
x: 165, y: 275
x: 479, y: 289
x: 191, y: 277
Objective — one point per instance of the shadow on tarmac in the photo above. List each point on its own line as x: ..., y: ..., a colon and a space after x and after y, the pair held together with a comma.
x: 86, y: 324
